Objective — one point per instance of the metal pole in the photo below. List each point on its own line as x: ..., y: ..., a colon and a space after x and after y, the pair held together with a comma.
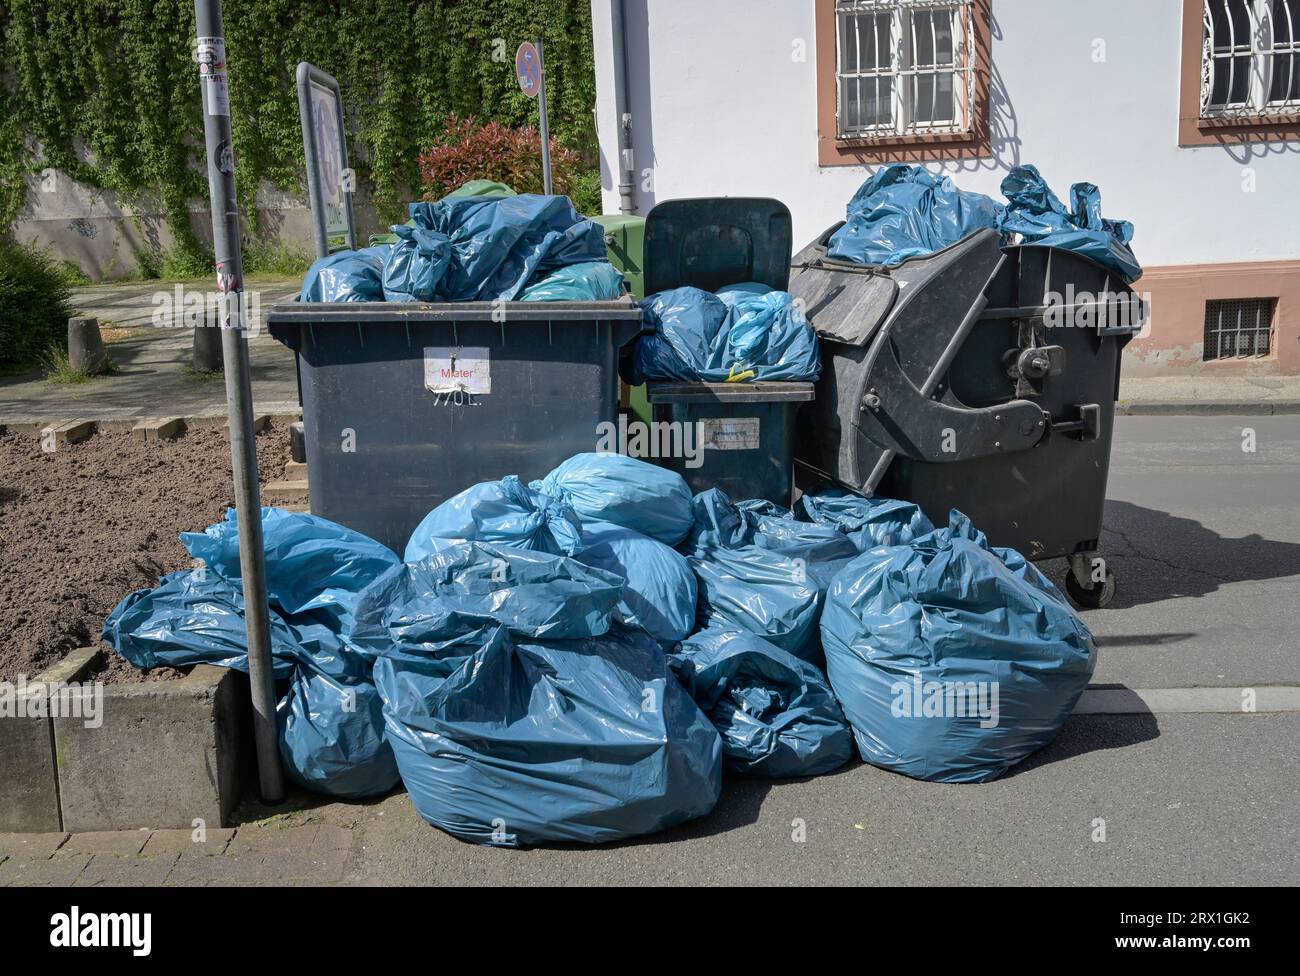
x: 622, y: 114
x: 546, y: 130
x: 239, y: 391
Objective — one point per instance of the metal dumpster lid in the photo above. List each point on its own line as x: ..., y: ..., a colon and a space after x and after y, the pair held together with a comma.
x: 711, y: 242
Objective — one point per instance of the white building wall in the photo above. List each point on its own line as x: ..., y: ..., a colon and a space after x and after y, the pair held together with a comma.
x: 722, y: 105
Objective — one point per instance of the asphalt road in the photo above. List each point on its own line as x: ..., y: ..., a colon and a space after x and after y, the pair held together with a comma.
x: 1205, y: 539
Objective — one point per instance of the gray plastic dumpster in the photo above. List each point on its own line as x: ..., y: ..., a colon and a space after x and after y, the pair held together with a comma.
x: 980, y: 378
x: 406, y: 404
x: 746, y: 429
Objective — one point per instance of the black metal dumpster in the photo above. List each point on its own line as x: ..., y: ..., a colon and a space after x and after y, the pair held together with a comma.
x: 980, y: 378
x: 406, y: 404
x: 745, y: 430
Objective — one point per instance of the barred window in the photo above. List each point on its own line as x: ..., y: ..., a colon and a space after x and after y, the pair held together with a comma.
x: 1250, y: 58
x: 1237, y: 328
x: 904, y: 67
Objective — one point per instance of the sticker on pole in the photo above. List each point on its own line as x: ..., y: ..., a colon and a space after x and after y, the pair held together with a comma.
x: 528, y: 69
x: 729, y: 433
x: 211, y: 55
x: 457, y: 369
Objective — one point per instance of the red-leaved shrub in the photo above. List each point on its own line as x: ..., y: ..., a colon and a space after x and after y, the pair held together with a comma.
x: 467, y: 150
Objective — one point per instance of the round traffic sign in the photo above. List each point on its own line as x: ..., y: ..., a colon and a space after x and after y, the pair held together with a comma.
x: 528, y: 69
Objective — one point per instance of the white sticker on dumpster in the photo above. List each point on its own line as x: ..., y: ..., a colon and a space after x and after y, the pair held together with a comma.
x: 730, y: 433
x: 457, y: 369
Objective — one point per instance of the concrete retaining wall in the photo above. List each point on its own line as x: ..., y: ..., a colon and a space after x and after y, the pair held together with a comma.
x: 161, y: 754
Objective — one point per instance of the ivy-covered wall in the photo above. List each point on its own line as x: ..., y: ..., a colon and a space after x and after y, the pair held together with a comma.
x: 107, y: 90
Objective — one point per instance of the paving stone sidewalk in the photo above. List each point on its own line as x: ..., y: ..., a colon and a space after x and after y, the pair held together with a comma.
x: 155, y: 377
x: 299, y: 848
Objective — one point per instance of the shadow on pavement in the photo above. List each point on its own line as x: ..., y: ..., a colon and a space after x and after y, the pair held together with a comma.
x: 1188, y: 558
x: 1082, y: 734
x: 1144, y: 640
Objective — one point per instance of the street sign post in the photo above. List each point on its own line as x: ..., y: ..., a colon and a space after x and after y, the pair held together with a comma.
x: 530, y: 70
x: 324, y: 142
x: 211, y: 52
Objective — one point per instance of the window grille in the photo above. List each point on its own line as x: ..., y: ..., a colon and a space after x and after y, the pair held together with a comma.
x: 904, y: 67
x: 1237, y: 328
x: 1250, y: 58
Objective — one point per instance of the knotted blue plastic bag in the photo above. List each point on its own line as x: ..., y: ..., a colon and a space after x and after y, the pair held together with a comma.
x: 499, y: 245
x: 330, y: 723
x: 720, y: 522
x: 332, y: 736
x: 590, y: 281
x: 444, y: 608
x: 768, y: 336
x: 775, y: 712
x: 906, y: 211
x: 416, y: 265
x: 507, y: 512
x: 311, y: 562
x: 530, y: 742
x: 659, y: 589
x: 764, y: 571
x: 867, y: 522
x: 1034, y: 212
x: 953, y: 661
x: 193, y: 617
x: 625, y: 491
x: 744, y: 333
x: 347, y: 276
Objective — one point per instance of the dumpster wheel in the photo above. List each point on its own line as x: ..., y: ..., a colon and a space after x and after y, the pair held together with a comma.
x: 1090, y: 597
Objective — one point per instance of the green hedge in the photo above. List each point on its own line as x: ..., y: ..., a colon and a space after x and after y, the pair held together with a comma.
x: 34, y: 308
x: 118, y: 77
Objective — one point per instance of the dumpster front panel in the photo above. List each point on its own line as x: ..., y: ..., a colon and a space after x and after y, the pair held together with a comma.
x: 403, y: 415
x: 745, y: 451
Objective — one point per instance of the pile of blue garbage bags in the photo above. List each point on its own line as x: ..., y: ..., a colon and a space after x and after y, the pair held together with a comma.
x: 586, y: 656
x: 743, y: 333
x: 906, y: 211
x: 525, y: 247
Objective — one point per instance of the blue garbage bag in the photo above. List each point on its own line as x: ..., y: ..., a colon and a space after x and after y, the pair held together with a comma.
x: 590, y: 281
x: 868, y: 522
x: 311, y: 562
x: 444, y: 608
x: 499, y: 245
x: 761, y: 569
x: 906, y: 211
x: 624, y: 490
x: 720, y: 522
x: 743, y: 333
x: 762, y: 591
x: 1034, y: 212
x: 193, y: 617
x: 332, y: 736
x: 530, y: 741
x: 416, y: 265
x: 347, y: 276
x: 506, y: 511
x: 775, y: 713
x: 952, y: 660
x: 659, y: 590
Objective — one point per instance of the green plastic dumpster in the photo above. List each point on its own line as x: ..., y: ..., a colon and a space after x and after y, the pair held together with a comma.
x: 625, y: 246
x: 406, y: 404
